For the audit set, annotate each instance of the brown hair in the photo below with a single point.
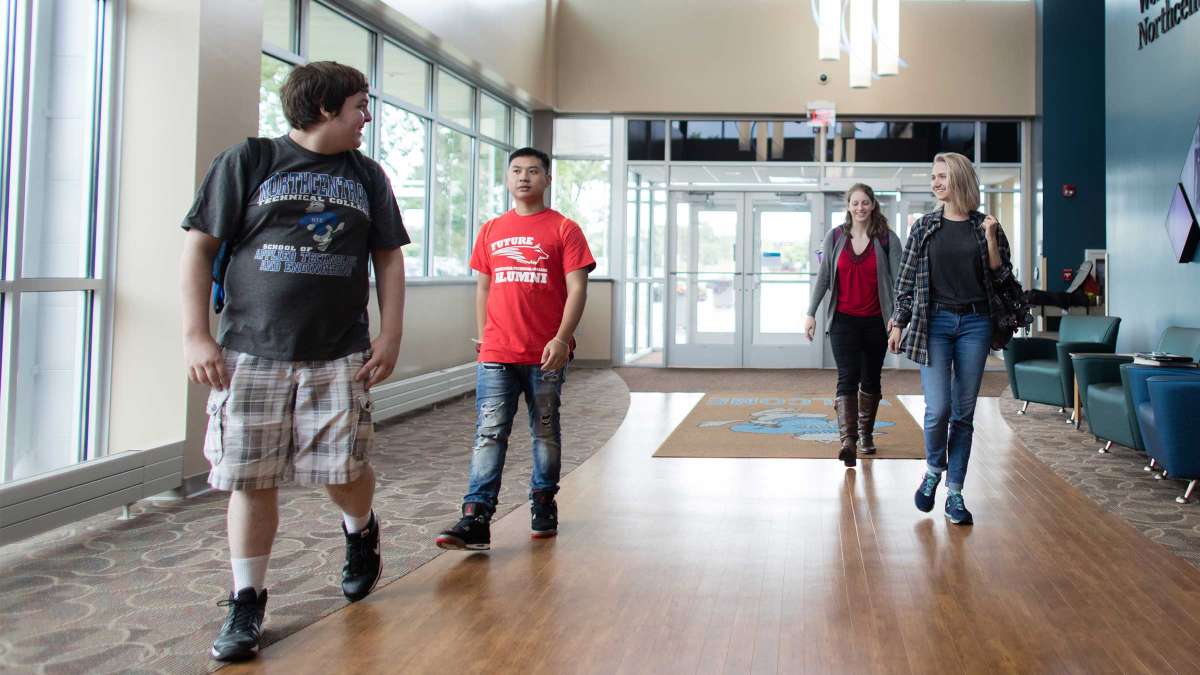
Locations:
(318, 86)
(877, 227)
(964, 182)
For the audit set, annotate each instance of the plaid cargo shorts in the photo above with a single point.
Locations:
(303, 421)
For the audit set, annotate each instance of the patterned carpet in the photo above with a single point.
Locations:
(1115, 480)
(138, 596)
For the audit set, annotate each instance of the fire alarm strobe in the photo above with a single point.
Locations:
(1068, 190)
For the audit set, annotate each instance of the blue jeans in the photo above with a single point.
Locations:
(498, 388)
(958, 350)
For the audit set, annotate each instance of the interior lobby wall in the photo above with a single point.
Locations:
(1152, 104)
(760, 56)
(1072, 138)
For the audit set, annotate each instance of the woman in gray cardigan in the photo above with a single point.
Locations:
(858, 272)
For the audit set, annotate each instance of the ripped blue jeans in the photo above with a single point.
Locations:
(498, 388)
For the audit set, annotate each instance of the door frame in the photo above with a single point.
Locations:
(735, 355)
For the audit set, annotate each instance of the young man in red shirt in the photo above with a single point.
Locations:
(533, 264)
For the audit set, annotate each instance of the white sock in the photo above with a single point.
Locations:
(250, 573)
(356, 523)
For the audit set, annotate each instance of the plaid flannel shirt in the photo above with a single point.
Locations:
(912, 310)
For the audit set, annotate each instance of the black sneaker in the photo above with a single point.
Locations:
(363, 565)
(472, 532)
(956, 510)
(924, 496)
(545, 515)
(239, 636)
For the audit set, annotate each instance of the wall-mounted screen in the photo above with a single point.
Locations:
(1181, 226)
(1190, 176)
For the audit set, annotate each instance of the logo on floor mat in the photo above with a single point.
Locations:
(804, 426)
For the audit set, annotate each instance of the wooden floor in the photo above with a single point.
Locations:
(789, 566)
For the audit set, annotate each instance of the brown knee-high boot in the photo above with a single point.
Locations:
(868, 406)
(847, 416)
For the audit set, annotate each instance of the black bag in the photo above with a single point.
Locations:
(1013, 314)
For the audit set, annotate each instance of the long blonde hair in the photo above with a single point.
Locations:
(877, 227)
(964, 182)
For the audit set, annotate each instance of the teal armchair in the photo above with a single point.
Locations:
(1040, 369)
(1106, 402)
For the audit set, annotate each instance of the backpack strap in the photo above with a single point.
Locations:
(261, 153)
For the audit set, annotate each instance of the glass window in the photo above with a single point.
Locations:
(50, 402)
(456, 99)
(713, 140)
(581, 137)
(646, 222)
(647, 139)
(522, 126)
(631, 315)
(492, 199)
(57, 228)
(48, 372)
(405, 76)
(1000, 142)
(899, 141)
(493, 118)
(402, 138)
(580, 191)
(333, 37)
(452, 203)
(791, 142)
(271, 121)
(278, 18)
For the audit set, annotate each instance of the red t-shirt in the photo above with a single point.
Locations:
(528, 259)
(858, 282)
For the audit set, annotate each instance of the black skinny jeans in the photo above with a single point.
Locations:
(859, 345)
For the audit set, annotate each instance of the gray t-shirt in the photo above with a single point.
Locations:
(297, 287)
(955, 271)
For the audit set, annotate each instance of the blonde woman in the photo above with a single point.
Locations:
(953, 261)
(858, 272)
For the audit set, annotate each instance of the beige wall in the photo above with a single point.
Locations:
(509, 40)
(593, 338)
(439, 322)
(759, 56)
(184, 99)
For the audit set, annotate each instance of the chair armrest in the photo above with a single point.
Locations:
(1097, 369)
(1066, 369)
(1024, 349)
(1065, 349)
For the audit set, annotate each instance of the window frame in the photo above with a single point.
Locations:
(97, 279)
(429, 111)
(611, 158)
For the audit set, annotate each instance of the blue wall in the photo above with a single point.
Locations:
(1152, 103)
(1072, 131)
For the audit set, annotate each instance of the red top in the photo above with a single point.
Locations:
(527, 258)
(858, 282)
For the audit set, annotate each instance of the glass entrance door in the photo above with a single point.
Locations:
(742, 266)
(780, 271)
(705, 279)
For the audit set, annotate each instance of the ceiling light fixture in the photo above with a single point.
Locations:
(829, 26)
(860, 43)
(869, 29)
(888, 20)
